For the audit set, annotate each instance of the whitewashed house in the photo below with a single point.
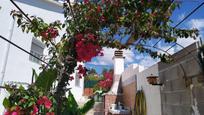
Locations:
(127, 81)
(15, 65)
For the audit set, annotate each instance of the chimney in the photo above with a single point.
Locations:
(118, 62)
(114, 95)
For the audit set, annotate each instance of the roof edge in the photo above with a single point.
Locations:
(54, 2)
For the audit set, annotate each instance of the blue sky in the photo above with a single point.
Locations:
(194, 21)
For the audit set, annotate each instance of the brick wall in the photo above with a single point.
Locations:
(111, 99)
(129, 92)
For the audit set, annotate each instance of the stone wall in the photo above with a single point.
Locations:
(182, 92)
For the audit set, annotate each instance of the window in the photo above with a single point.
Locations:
(37, 48)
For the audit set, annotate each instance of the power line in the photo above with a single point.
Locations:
(17, 45)
(189, 14)
(22, 49)
(193, 11)
(20, 10)
(36, 56)
(93, 64)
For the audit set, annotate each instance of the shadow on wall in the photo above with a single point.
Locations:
(55, 7)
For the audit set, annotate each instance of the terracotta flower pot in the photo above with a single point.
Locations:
(152, 80)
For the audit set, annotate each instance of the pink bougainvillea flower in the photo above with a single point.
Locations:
(80, 76)
(98, 9)
(35, 110)
(48, 104)
(14, 113)
(82, 70)
(53, 32)
(71, 78)
(49, 33)
(7, 113)
(45, 101)
(107, 82)
(18, 108)
(23, 100)
(102, 18)
(86, 1)
(86, 48)
(50, 113)
(44, 34)
(40, 101)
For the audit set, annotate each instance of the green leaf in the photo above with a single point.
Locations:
(26, 97)
(63, 25)
(6, 103)
(34, 75)
(19, 22)
(45, 79)
(30, 104)
(71, 102)
(71, 106)
(21, 88)
(87, 106)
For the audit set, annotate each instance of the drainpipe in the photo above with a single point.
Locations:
(6, 52)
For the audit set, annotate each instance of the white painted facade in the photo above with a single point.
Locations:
(137, 73)
(15, 64)
(118, 61)
(118, 65)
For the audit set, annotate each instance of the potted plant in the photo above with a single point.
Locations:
(152, 79)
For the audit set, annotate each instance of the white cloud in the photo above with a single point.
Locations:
(165, 47)
(193, 23)
(196, 23)
(108, 55)
(146, 60)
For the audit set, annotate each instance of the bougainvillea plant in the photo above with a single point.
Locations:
(31, 101)
(107, 82)
(93, 24)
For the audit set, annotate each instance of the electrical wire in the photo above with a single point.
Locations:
(93, 64)
(22, 49)
(20, 10)
(193, 11)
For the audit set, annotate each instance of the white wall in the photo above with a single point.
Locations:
(18, 61)
(152, 92)
(131, 71)
(118, 65)
(77, 90)
(18, 67)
